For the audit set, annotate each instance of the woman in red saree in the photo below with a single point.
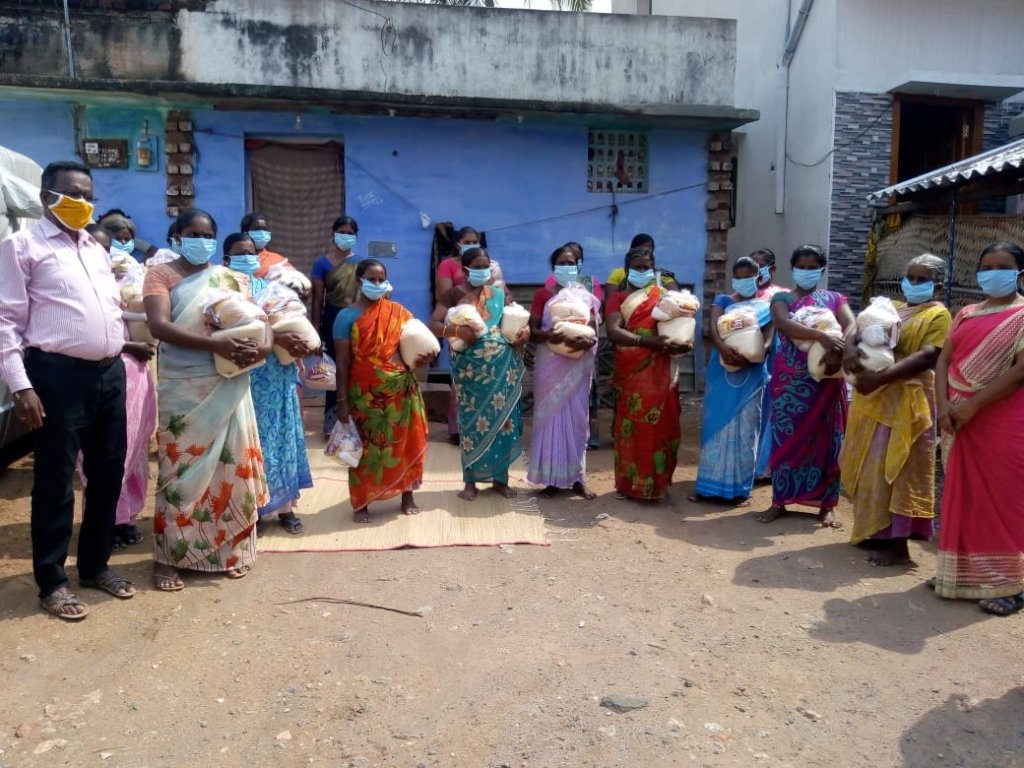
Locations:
(381, 395)
(646, 427)
(980, 401)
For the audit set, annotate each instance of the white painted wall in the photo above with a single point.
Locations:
(848, 45)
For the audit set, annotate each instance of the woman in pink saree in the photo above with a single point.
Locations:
(980, 401)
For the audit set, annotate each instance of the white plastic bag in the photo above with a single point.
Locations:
(320, 373)
(227, 309)
(741, 331)
(344, 444)
(816, 361)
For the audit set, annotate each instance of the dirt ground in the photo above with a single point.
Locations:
(753, 645)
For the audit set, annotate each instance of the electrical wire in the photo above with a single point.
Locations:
(882, 113)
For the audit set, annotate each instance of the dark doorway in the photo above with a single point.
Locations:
(300, 188)
(932, 133)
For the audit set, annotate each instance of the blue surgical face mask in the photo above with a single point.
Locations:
(640, 279)
(807, 278)
(478, 277)
(344, 242)
(124, 247)
(463, 247)
(566, 273)
(745, 286)
(260, 237)
(246, 263)
(917, 294)
(175, 247)
(998, 283)
(376, 291)
(765, 274)
(198, 250)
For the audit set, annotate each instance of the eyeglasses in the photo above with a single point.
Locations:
(74, 195)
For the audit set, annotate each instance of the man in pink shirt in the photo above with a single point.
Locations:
(61, 337)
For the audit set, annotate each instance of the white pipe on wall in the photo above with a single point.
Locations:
(788, 51)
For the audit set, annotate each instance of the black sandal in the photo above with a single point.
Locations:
(291, 523)
(129, 535)
(112, 583)
(1003, 606)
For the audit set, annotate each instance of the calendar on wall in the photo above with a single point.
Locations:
(617, 161)
(105, 153)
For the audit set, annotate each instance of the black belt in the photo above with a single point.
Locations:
(56, 358)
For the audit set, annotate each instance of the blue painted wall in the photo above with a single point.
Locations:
(524, 184)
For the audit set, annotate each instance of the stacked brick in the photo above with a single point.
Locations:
(719, 216)
(180, 147)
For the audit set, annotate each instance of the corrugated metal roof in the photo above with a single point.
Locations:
(994, 161)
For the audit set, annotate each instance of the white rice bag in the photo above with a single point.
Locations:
(571, 330)
(816, 360)
(295, 324)
(468, 315)
(514, 318)
(289, 276)
(879, 330)
(416, 341)
(254, 330)
(280, 301)
(741, 330)
(675, 304)
(569, 306)
(227, 309)
(820, 319)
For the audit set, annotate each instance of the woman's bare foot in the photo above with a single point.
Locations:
(896, 553)
(166, 578)
(774, 512)
(409, 504)
(504, 490)
(468, 493)
(580, 489)
(361, 515)
(827, 518)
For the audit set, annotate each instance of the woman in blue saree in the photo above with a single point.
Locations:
(731, 433)
(275, 398)
(488, 379)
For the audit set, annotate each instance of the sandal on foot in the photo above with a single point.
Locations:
(129, 535)
(112, 583)
(165, 583)
(238, 572)
(291, 523)
(1002, 606)
(64, 604)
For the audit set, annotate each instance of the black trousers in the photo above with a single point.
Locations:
(85, 412)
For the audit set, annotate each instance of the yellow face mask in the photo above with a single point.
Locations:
(73, 214)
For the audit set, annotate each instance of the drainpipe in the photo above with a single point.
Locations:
(783, 135)
(67, 40)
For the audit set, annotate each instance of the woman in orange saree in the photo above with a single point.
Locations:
(980, 401)
(379, 392)
(646, 427)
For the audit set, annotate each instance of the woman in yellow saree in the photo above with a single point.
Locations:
(888, 457)
(381, 395)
